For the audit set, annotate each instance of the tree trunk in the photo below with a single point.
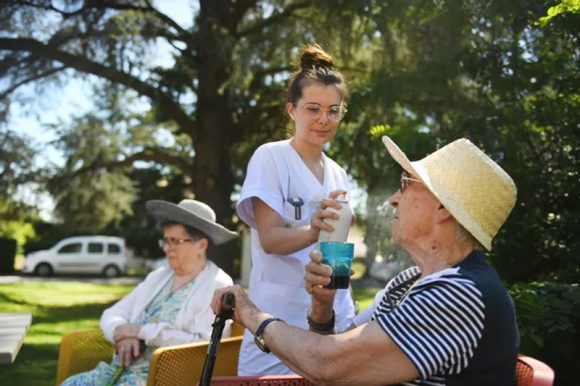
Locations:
(212, 173)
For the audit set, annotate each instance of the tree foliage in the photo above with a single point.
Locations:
(17, 157)
(487, 72)
(87, 202)
(224, 89)
(565, 8)
(18, 169)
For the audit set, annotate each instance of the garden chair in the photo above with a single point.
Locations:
(175, 365)
(530, 372)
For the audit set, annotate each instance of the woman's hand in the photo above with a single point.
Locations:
(317, 221)
(126, 331)
(244, 309)
(127, 349)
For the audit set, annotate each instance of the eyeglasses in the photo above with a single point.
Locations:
(405, 182)
(172, 242)
(314, 111)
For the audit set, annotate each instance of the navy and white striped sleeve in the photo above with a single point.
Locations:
(439, 325)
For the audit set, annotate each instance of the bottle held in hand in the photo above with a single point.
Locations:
(341, 226)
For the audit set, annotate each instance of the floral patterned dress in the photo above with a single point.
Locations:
(163, 308)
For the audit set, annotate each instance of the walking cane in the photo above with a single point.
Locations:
(218, 327)
(120, 369)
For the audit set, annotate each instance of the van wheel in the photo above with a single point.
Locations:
(111, 271)
(43, 270)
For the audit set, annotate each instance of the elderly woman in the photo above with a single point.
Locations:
(447, 321)
(172, 305)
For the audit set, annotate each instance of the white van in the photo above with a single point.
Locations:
(80, 255)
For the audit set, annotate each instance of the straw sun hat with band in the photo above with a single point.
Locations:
(192, 213)
(471, 186)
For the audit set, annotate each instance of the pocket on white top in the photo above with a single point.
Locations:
(289, 218)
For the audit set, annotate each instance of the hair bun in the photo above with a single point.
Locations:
(312, 56)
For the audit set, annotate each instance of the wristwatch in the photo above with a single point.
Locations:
(259, 338)
(324, 327)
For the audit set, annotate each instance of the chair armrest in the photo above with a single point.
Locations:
(81, 351)
(183, 364)
(532, 372)
(294, 380)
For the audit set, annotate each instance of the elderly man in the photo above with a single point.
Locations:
(446, 321)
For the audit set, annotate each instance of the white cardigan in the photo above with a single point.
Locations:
(192, 324)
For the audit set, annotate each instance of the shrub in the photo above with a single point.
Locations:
(33, 246)
(549, 322)
(7, 255)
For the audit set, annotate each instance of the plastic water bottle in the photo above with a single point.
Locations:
(341, 226)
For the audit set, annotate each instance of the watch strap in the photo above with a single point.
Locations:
(322, 327)
(260, 332)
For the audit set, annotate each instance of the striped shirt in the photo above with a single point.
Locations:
(451, 324)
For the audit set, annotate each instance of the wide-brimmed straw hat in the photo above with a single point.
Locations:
(192, 213)
(471, 186)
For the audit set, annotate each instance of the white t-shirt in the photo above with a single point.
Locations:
(275, 174)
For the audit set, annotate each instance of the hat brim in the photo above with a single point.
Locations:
(416, 169)
(168, 211)
(398, 155)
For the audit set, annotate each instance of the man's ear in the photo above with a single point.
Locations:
(291, 110)
(442, 214)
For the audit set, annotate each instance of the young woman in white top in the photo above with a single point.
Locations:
(288, 185)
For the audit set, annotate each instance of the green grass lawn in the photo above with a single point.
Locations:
(58, 308)
(365, 296)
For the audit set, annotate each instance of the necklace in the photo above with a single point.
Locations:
(181, 285)
(320, 161)
(316, 168)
